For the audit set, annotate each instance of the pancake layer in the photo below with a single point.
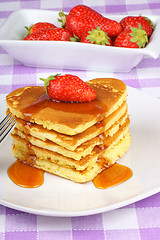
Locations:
(72, 142)
(31, 104)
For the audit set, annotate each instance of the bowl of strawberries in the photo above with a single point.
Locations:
(81, 39)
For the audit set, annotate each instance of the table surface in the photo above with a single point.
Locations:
(138, 221)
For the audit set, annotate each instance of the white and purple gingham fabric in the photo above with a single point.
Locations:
(138, 221)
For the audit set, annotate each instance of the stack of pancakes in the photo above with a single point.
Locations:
(72, 140)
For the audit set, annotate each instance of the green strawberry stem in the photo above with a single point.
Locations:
(98, 36)
(62, 18)
(46, 80)
(139, 36)
(28, 29)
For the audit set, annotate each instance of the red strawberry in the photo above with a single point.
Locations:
(132, 38)
(57, 34)
(68, 88)
(39, 26)
(96, 37)
(134, 21)
(82, 18)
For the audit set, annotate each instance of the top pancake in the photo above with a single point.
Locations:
(31, 104)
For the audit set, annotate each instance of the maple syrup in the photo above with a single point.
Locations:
(94, 108)
(24, 175)
(112, 176)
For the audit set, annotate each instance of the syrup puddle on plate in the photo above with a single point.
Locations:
(24, 175)
(27, 176)
(112, 176)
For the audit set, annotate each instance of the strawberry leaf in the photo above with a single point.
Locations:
(46, 80)
(74, 38)
(139, 36)
(62, 18)
(98, 36)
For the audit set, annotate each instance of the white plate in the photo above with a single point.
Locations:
(70, 55)
(60, 197)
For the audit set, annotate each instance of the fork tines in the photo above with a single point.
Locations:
(6, 125)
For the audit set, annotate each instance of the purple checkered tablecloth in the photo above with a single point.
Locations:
(138, 221)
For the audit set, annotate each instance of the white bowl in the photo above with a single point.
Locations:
(70, 55)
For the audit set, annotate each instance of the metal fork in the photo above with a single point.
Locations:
(6, 125)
